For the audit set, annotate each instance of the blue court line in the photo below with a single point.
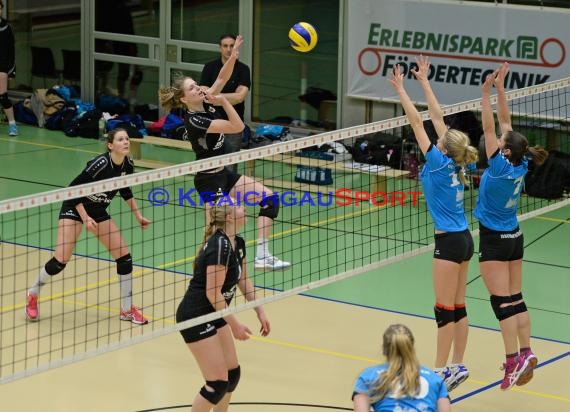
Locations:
(301, 294)
(95, 257)
(415, 315)
(477, 391)
(491, 385)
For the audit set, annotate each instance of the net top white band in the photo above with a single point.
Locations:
(149, 176)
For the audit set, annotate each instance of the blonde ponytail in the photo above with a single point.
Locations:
(218, 215)
(402, 378)
(169, 97)
(460, 150)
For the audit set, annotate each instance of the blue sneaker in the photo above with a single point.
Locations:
(453, 375)
(446, 375)
(12, 130)
(460, 375)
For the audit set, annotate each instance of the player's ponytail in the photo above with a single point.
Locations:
(460, 150)
(169, 97)
(538, 154)
(218, 215)
(402, 378)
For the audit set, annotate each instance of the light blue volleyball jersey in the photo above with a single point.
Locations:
(499, 193)
(432, 388)
(443, 191)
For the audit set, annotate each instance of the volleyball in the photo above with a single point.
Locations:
(303, 37)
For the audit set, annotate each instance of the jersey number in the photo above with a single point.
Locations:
(454, 179)
(514, 199)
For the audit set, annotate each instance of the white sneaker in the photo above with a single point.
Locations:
(270, 262)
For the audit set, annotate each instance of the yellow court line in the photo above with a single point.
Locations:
(143, 271)
(51, 146)
(300, 228)
(318, 350)
(376, 361)
(552, 219)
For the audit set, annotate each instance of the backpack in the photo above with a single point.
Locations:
(112, 104)
(273, 132)
(173, 127)
(133, 124)
(24, 114)
(378, 149)
(56, 120)
(87, 125)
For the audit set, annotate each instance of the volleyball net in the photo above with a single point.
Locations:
(338, 218)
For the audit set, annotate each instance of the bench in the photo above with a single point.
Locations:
(378, 179)
(136, 151)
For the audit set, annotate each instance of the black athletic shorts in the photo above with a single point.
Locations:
(209, 184)
(454, 246)
(500, 246)
(205, 330)
(97, 214)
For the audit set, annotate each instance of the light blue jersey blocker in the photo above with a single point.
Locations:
(443, 191)
(432, 389)
(499, 193)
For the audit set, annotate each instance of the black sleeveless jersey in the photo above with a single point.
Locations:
(101, 168)
(217, 251)
(7, 48)
(204, 144)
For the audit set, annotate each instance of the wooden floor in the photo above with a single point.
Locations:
(308, 363)
(318, 344)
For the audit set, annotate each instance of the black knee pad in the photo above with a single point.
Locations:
(220, 388)
(5, 102)
(505, 312)
(125, 265)
(443, 315)
(54, 266)
(519, 307)
(233, 378)
(460, 312)
(269, 207)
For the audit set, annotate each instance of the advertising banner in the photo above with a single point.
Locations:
(464, 41)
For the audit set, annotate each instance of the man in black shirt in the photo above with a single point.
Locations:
(235, 90)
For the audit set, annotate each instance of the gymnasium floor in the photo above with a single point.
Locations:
(319, 342)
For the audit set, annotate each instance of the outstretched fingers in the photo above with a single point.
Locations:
(422, 70)
(490, 80)
(397, 78)
(501, 74)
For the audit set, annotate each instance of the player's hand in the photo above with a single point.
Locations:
(265, 325)
(215, 100)
(144, 222)
(397, 78)
(240, 331)
(489, 80)
(90, 224)
(237, 45)
(501, 75)
(422, 71)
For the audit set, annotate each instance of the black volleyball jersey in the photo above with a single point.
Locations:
(101, 168)
(217, 251)
(7, 47)
(204, 144)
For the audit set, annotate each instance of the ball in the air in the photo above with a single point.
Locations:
(303, 37)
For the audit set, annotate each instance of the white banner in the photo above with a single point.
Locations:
(464, 41)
